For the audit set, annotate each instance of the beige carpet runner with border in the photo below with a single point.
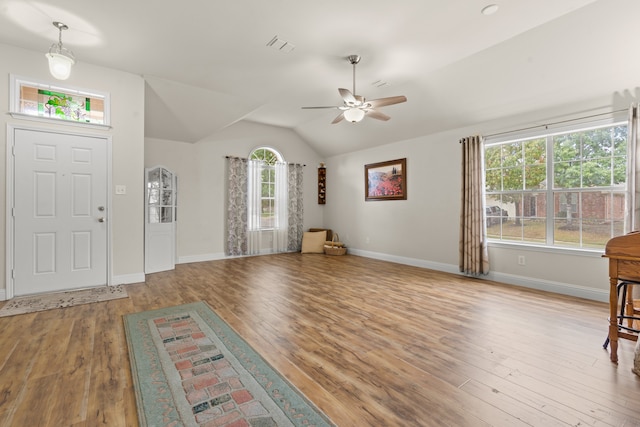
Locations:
(191, 369)
(41, 302)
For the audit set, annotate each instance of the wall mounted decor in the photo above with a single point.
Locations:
(322, 184)
(386, 180)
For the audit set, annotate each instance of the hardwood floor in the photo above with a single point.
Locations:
(372, 343)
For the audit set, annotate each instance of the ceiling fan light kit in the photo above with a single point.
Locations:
(353, 114)
(60, 58)
(356, 107)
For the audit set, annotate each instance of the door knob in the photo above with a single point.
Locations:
(101, 219)
(100, 208)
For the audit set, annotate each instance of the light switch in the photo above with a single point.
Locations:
(121, 189)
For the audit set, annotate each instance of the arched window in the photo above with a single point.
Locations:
(264, 204)
(266, 191)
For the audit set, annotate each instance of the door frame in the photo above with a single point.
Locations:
(9, 290)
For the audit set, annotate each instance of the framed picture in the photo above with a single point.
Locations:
(386, 180)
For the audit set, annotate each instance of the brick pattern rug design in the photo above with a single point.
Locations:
(191, 369)
(41, 302)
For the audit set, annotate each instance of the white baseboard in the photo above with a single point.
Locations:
(510, 279)
(215, 257)
(3, 295)
(125, 279)
(201, 258)
(406, 261)
(551, 286)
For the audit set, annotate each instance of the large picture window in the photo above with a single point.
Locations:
(563, 190)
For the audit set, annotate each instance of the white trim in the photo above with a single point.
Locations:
(8, 243)
(218, 256)
(560, 127)
(126, 279)
(590, 253)
(9, 201)
(3, 296)
(201, 258)
(551, 286)
(109, 208)
(509, 279)
(448, 268)
(49, 120)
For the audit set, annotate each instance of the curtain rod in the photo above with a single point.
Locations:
(235, 157)
(546, 125)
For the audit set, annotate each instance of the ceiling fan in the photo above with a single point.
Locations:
(356, 107)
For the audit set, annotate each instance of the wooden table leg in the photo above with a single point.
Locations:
(613, 318)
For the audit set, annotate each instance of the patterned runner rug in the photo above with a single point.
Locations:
(191, 369)
(41, 302)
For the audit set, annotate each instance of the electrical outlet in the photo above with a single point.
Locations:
(521, 260)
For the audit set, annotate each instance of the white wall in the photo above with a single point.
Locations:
(423, 230)
(200, 169)
(127, 133)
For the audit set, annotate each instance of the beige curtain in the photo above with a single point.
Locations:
(295, 208)
(474, 255)
(237, 192)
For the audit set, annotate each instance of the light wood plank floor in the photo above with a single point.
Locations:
(372, 343)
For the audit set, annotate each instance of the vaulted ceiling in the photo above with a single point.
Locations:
(207, 64)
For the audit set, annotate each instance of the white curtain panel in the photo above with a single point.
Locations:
(474, 253)
(632, 216)
(254, 207)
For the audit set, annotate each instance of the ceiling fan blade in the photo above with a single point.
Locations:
(375, 114)
(314, 108)
(381, 102)
(338, 119)
(347, 96)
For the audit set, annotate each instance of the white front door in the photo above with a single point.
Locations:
(60, 211)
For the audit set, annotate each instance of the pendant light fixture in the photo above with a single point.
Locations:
(60, 58)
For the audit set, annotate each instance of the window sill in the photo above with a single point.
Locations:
(591, 253)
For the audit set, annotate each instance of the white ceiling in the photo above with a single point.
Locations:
(207, 64)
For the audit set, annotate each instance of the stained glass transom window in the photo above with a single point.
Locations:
(52, 102)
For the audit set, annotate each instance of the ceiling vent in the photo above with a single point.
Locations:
(281, 45)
